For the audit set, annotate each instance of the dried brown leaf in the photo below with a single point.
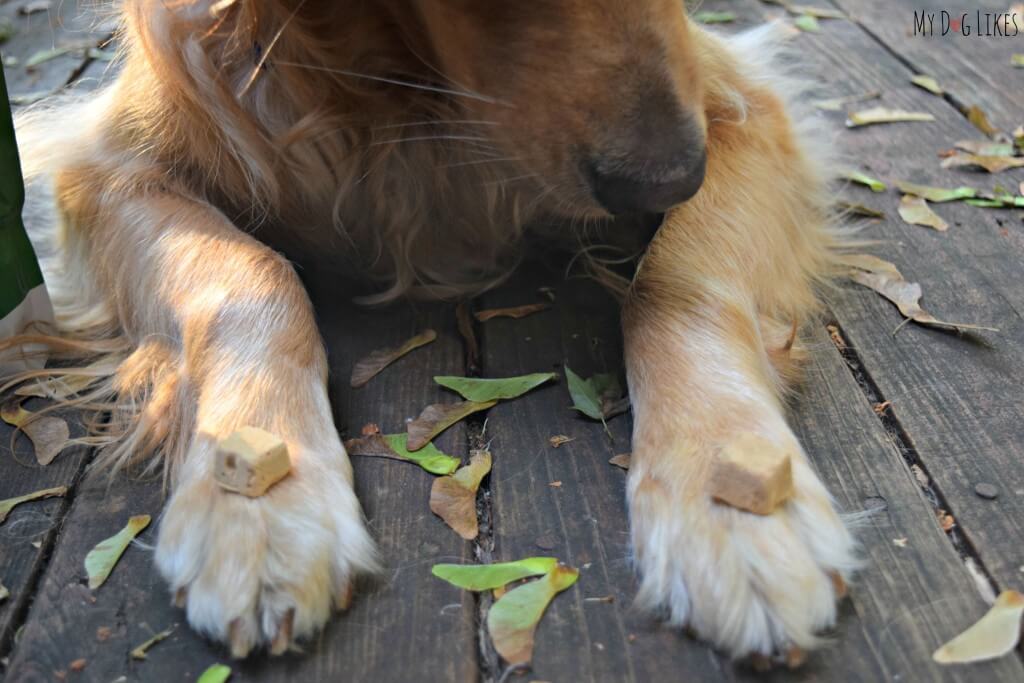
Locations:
(977, 117)
(559, 439)
(915, 210)
(367, 368)
(992, 164)
(872, 264)
(986, 148)
(510, 312)
(438, 417)
(907, 297)
(464, 322)
(621, 460)
(453, 498)
(49, 434)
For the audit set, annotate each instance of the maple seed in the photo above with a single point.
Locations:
(250, 461)
(752, 474)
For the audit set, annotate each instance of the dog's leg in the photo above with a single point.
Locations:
(241, 332)
(706, 327)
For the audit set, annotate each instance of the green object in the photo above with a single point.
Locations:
(482, 577)
(865, 179)
(596, 397)
(429, 457)
(715, 17)
(101, 560)
(218, 673)
(19, 269)
(483, 390)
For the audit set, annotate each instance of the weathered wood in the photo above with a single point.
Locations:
(904, 603)
(973, 69)
(957, 397)
(28, 524)
(78, 24)
(405, 625)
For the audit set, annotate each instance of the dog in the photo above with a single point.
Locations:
(415, 142)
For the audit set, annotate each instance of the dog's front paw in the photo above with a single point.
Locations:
(263, 571)
(750, 584)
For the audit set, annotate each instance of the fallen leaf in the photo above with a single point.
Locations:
(482, 577)
(976, 116)
(869, 117)
(864, 179)
(836, 336)
(992, 164)
(101, 560)
(510, 312)
(622, 460)
(42, 56)
(559, 439)
(218, 673)
(840, 103)
(512, 620)
(139, 652)
(369, 429)
(714, 17)
(49, 434)
(598, 397)
(78, 664)
(936, 194)
(927, 83)
(914, 210)
(4, 593)
(872, 264)
(483, 390)
(438, 417)
(7, 505)
(555, 484)
(393, 446)
(880, 408)
(807, 23)
(1018, 138)
(992, 636)
(907, 297)
(859, 210)
(365, 370)
(986, 148)
(900, 542)
(453, 498)
(818, 12)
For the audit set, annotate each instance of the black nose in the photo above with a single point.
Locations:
(625, 191)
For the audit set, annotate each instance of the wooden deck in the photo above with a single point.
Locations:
(956, 419)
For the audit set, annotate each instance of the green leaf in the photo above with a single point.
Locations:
(7, 505)
(483, 390)
(927, 83)
(864, 179)
(936, 194)
(1017, 60)
(482, 577)
(599, 397)
(139, 652)
(806, 22)
(512, 620)
(101, 560)
(429, 457)
(46, 55)
(218, 673)
(715, 17)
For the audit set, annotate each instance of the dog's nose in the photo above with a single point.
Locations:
(624, 191)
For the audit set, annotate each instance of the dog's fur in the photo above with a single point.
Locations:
(413, 141)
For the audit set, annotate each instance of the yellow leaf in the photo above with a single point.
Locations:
(914, 210)
(869, 117)
(994, 635)
(101, 560)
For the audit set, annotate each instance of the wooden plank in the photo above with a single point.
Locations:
(905, 602)
(77, 24)
(973, 69)
(31, 528)
(403, 626)
(957, 397)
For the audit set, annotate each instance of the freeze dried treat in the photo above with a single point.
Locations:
(752, 474)
(250, 461)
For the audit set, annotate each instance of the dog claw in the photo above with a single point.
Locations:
(284, 634)
(180, 597)
(344, 597)
(237, 640)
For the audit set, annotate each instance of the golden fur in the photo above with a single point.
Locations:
(415, 141)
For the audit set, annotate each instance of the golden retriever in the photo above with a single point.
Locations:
(414, 141)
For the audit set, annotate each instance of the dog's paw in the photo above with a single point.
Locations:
(264, 571)
(750, 584)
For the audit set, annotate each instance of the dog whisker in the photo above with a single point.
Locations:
(423, 138)
(439, 122)
(392, 81)
(480, 161)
